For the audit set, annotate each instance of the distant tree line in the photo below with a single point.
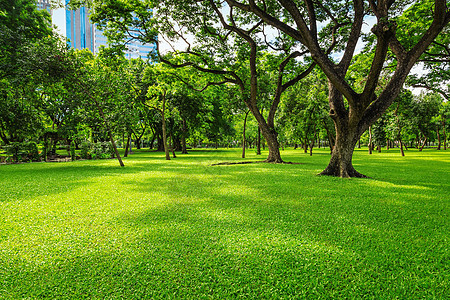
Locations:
(260, 73)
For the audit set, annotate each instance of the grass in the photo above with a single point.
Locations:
(185, 229)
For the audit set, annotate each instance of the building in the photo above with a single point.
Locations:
(79, 30)
(44, 4)
(82, 34)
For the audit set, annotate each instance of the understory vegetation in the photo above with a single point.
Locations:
(185, 229)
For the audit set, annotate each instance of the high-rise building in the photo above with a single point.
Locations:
(45, 4)
(79, 30)
(81, 34)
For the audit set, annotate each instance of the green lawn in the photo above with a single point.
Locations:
(185, 229)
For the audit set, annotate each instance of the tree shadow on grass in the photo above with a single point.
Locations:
(21, 182)
(255, 231)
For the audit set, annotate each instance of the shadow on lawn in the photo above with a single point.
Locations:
(321, 247)
(255, 231)
(21, 182)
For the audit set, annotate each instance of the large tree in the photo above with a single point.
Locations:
(353, 112)
(220, 41)
(22, 27)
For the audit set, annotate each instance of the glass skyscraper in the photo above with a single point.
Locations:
(82, 34)
(79, 30)
(44, 4)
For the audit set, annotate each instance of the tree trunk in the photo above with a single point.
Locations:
(341, 157)
(164, 133)
(108, 129)
(243, 134)
(305, 143)
(152, 141)
(379, 148)
(274, 147)
(370, 139)
(439, 138)
(401, 147)
(258, 142)
(127, 146)
(444, 134)
(387, 144)
(423, 143)
(183, 137)
(348, 132)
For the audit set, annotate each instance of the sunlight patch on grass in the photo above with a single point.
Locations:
(183, 229)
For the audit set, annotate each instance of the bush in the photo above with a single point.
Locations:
(103, 150)
(86, 150)
(27, 151)
(99, 150)
(32, 151)
(14, 150)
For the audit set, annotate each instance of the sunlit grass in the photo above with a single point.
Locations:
(186, 229)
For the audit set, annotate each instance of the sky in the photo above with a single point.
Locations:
(58, 19)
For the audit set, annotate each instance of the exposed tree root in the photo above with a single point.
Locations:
(336, 172)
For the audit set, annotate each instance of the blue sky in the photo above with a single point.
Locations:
(58, 19)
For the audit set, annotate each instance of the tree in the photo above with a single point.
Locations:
(162, 84)
(424, 109)
(21, 24)
(353, 112)
(22, 27)
(227, 45)
(304, 112)
(398, 118)
(98, 82)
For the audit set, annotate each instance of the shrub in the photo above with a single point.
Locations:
(99, 150)
(102, 150)
(14, 150)
(32, 151)
(86, 150)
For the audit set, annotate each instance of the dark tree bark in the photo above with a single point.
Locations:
(152, 142)
(423, 143)
(444, 134)
(243, 134)
(366, 107)
(127, 146)
(183, 137)
(401, 147)
(258, 142)
(164, 127)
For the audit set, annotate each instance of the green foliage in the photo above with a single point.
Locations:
(99, 150)
(23, 152)
(14, 149)
(85, 150)
(184, 229)
(102, 150)
(32, 151)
